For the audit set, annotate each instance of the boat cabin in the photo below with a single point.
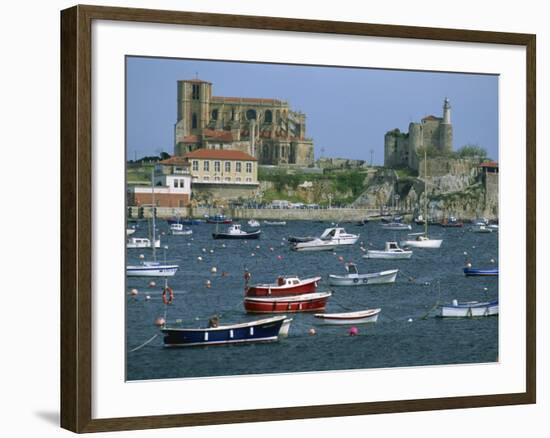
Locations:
(352, 269)
(287, 281)
(392, 246)
(331, 233)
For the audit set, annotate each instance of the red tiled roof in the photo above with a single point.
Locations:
(217, 135)
(221, 154)
(174, 161)
(246, 100)
(492, 164)
(430, 117)
(190, 139)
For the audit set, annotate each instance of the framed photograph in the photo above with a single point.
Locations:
(269, 219)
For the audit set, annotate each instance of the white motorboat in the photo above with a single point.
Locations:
(391, 251)
(179, 230)
(421, 240)
(275, 223)
(130, 231)
(353, 278)
(253, 223)
(339, 236)
(358, 317)
(315, 244)
(141, 242)
(469, 309)
(493, 227)
(236, 232)
(481, 229)
(151, 269)
(396, 226)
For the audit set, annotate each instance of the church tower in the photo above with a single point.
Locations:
(446, 128)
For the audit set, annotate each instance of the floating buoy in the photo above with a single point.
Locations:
(485, 289)
(474, 247)
(468, 265)
(211, 251)
(208, 283)
(141, 256)
(160, 321)
(134, 292)
(192, 238)
(199, 258)
(426, 283)
(492, 260)
(214, 270)
(188, 244)
(223, 245)
(465, 252)
(152, 284)
(341, 258)
(147, 297)
(312, 332)
(257, 246)
(353, 331)
(271, 249)
(204, 250)
(410, 320)
(279, 257)
(252, 254)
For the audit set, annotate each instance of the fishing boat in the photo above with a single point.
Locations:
(475, 272)
(262, 330)
(184, 221)
(347, 318)
(311, 302)
(235, 232)
(275, 223)
(339, 236)
(419, 220)
(315, 244)
(469, 309)
(452, 222)
(152, 268)
(253, 223)
(391, 251)
(353, 278)
(291, 285)
(481, 229)
(219, 219)
(396, 226)
(141, 242)
(180, 230)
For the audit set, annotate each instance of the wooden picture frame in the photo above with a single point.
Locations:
(76, 218)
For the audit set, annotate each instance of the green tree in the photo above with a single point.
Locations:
(472, 151)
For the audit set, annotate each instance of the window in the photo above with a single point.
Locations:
(176, 183)
(227, 179)
(238, 167)
(248, 179)
(195, 94)
(217, 178)
(195, 165)
(206, 166)
(194, 121)
(228, 166)
(251, 114)
(238, 179)
(215, 114)
(248, 167)
(268, 117)
(182, 183)
(216, 166)
(206, 178)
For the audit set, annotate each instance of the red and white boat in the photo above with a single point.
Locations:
(312, 302)
(283, 286)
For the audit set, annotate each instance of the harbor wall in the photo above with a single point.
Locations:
(324, 214)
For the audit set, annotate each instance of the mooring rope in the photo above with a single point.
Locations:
(144, 344)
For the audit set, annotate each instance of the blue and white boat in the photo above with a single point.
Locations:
(263, 330)
(474, 272)
(151, 269)
(469, 309)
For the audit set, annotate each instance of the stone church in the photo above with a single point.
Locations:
(400, 148)
(267, 129)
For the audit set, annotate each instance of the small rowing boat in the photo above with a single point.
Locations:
(358, 317)
(353, 278)
(469, 309)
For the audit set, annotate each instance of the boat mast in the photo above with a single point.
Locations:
(153, 212)
(425, 192)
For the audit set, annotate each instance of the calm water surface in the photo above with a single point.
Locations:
(394, 341)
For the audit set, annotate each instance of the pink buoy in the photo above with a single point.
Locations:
(341, 258)
(160, 321)
(279, 257)
(312, 332)
(353, 331)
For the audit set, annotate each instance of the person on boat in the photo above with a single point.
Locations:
(214, 321)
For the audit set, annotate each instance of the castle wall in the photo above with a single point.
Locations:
(430, 133)
(446, 137)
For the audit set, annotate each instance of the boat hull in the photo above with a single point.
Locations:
(430, 244)
(314, 302)
(376, 254)
(314, 245)
(262, 290)
(383, 277)
(349, 318)
(469, 311)
(265, 330)
(472, 272)
(151, 271)
(246, 236)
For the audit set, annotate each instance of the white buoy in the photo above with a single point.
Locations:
(141, 256)
(468, 265)
(211, 251)
(257, 246)
(223, 245)
(208, 283)
(134, 292)
(214, 270)
(492, 260)
(204, 250)
(312, 332)
(147, 297)
(410, 320)
(465, 252)
(252, 254)
(199, 258)
(160, 321)
(271, 249)
(152, 284)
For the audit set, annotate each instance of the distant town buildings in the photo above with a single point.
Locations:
(400, 149)
(172, 186)
(266, 129)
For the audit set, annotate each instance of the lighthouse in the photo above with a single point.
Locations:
(446, 128)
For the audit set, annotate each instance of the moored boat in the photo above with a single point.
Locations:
(481, 229)
(300, 239)
(353, 278)
(396, 226)
(275, 223)
(253, 223)
(421, 240)
(338, 236)
(130, 231)
(469, 309)
(151, 269)
(235, 232)
(263, 330)
(452, 222)
(180, 230)
(219, 219)
(311, 302)
(391, 251)
(475, 272)
(141, 242)
(357, 317)
(315, 244)
(291, 285)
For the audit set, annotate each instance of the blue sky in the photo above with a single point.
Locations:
(348, 110)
